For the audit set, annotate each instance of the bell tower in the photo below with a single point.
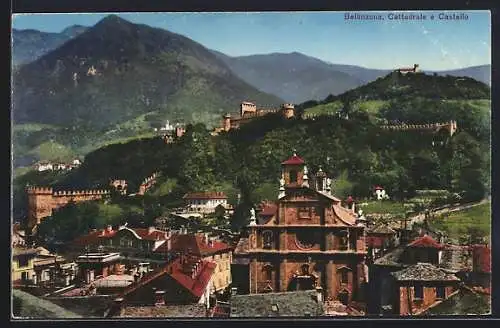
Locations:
(293, 171)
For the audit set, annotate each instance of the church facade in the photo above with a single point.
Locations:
(307, 239)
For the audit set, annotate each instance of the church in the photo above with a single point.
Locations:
(307, 239)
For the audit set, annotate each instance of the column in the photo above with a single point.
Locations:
(253, 276)
(330, 280)
(283, 278)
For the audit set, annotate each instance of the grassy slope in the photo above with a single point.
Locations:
(456, 223)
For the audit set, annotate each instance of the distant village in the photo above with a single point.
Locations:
(306, 254)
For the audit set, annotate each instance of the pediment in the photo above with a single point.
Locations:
(304, 194)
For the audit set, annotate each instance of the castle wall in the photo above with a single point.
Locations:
(43, 201)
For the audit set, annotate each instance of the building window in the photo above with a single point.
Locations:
(268, 272)
(343, 241)
(293, 176)
(304, 213)
(440, 292)
(23, 261)
(306, 239)
(344, 276)
(419, 291)
(267, 238)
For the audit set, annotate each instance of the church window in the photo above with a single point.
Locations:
(268, 272)
(293, 176)
(267, 238)
(344, 278)
(305, 239)
(304, 213)
(343, 241)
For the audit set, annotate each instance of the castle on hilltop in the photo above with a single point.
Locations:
(248, 112)
(406, 70)
(42, 201)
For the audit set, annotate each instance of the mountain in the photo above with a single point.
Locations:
(297, 78)
(29, 45)
(294, 77)
(480, 73)
(116, 75)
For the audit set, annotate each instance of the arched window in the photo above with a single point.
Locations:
(267, 239)
(343, 240)
(293, 176)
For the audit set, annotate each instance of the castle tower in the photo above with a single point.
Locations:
(293, 171)
(247, 107)
(288, 110)
(39, 204)
(226, 122)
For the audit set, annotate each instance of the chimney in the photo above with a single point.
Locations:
(319, 294)
(159, 297)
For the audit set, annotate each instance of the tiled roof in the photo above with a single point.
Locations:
(205, 195)
(423, 272)
(196, 286)
(378, 188)
(345, 215)
(380, 229)
(16, 251)
(392, 258)
(456, 258)
(465, 302)
(146, 234)
(143, 233)
(32, 307)
(287, 304)
(294, 160)
(425, 241)
(168, 311)
(197, 246)
(481, 255)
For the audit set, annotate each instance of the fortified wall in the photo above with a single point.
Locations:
(450, 126)
(148, 183)
(43, 200)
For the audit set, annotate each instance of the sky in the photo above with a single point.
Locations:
(434, 44)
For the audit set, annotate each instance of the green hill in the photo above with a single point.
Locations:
(117, 72)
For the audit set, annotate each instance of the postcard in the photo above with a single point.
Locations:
(235, 165)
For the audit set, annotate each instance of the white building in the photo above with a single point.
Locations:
(380, 193)
(205, 202)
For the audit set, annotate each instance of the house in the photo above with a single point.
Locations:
(43, 166)
(240, 265)
(93, 266)
(406, 70)
(185, 280)
(207, 249)
(18, 235)
(308, 239)
(205, 202)
(420, 286)
(22, 269)
(49, 271)
(481, 266)
(379, 239)
(135, 244)
(306, 303)
(451, 259)
(380, 193)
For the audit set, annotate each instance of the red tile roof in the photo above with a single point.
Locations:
(94, 236)
(205, 195)
(196, 286)
(196, 245)
(379, 188)
(294, 160)
(425, 241)
(481, 257)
